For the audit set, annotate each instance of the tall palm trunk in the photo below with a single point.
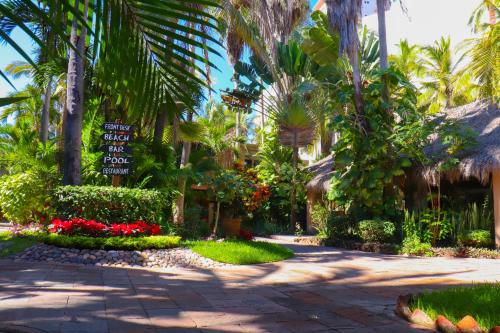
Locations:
(160, 122)
(179, 201)
(44, 123)
(382, 35)
(344, 17)
(293, 195)
(75, 88)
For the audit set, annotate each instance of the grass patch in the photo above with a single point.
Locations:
(113, 243)
(15, 244)
(240, 252)
(482, 301)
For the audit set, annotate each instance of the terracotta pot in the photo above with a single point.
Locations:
(231, 226)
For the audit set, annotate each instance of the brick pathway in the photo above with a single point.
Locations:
(320, 290)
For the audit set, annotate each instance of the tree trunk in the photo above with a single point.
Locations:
(293, 195)
(492, 14)
(75, 90)
(160, 121)
(44, 124)
(496, 205)
(382, 35)
(344, 17)
(179, 201)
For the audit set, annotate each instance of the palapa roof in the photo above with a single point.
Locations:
(322, 171)
(480, 160)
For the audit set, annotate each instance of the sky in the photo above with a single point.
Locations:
(426, 21)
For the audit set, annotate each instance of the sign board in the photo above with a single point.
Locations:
(116, 149)
(112, 171)
(117, 127)
(117, 160)
(116, 163)
(117, 137)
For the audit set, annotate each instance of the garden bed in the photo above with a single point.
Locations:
(387, 248)
(151, 258)
(458, 309)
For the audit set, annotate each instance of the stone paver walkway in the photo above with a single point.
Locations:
(319, 290)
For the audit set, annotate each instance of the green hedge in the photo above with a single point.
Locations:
(110, 204)
(112, 243)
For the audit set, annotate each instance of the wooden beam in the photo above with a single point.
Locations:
(496, 205)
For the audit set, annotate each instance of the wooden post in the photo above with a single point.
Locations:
(496, 205)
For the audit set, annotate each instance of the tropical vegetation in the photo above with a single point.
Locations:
(201, 158)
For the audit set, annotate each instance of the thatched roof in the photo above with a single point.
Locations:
(479, 161)
(322, 173)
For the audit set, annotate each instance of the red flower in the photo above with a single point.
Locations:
(79, 226)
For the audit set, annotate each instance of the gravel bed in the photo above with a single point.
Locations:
(177, 257)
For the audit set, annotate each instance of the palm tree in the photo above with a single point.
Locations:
(407, 60)
(133, 37)
(344, 17)
(445, 85)
(484, 49)
(492, 7)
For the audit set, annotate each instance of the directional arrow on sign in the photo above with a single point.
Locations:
(117, 127)
(116, 149)
(117, 137)
(111, 171)
(117, 160)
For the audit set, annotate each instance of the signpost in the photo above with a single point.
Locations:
(116, 161)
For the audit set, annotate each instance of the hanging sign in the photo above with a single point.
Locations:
(116, 149)
(112, 171)
(117, 127)
(117, 137)
(117, 160)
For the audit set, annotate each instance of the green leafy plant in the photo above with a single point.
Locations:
(414, 246)
(376, 230)
(475, 238)
(110, 204)
(320, 220)
(23, 197)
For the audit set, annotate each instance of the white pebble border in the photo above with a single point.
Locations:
(177, 257)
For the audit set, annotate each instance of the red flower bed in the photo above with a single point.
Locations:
(82, 227)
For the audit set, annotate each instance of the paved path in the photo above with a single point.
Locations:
(319, 290)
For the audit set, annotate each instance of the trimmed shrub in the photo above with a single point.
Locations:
(376, 230)
(112, 243)
(109, 204)
(475, 238)
(22, 197)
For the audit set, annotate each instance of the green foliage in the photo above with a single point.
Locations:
(320, 217)
(241, 252)
(112, 243)
(482, 301)
(110, 204)
(368, 160)
(430, 225)
(476, 238)
(413, 246)
(376, 230)
(14, 244)
(23, 197)
(193, 227)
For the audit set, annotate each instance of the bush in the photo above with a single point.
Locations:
(112, 243)
(376, 230)
(320, 218)
(109, 204)
(23, 197)
(475, 238)
(413, 246)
